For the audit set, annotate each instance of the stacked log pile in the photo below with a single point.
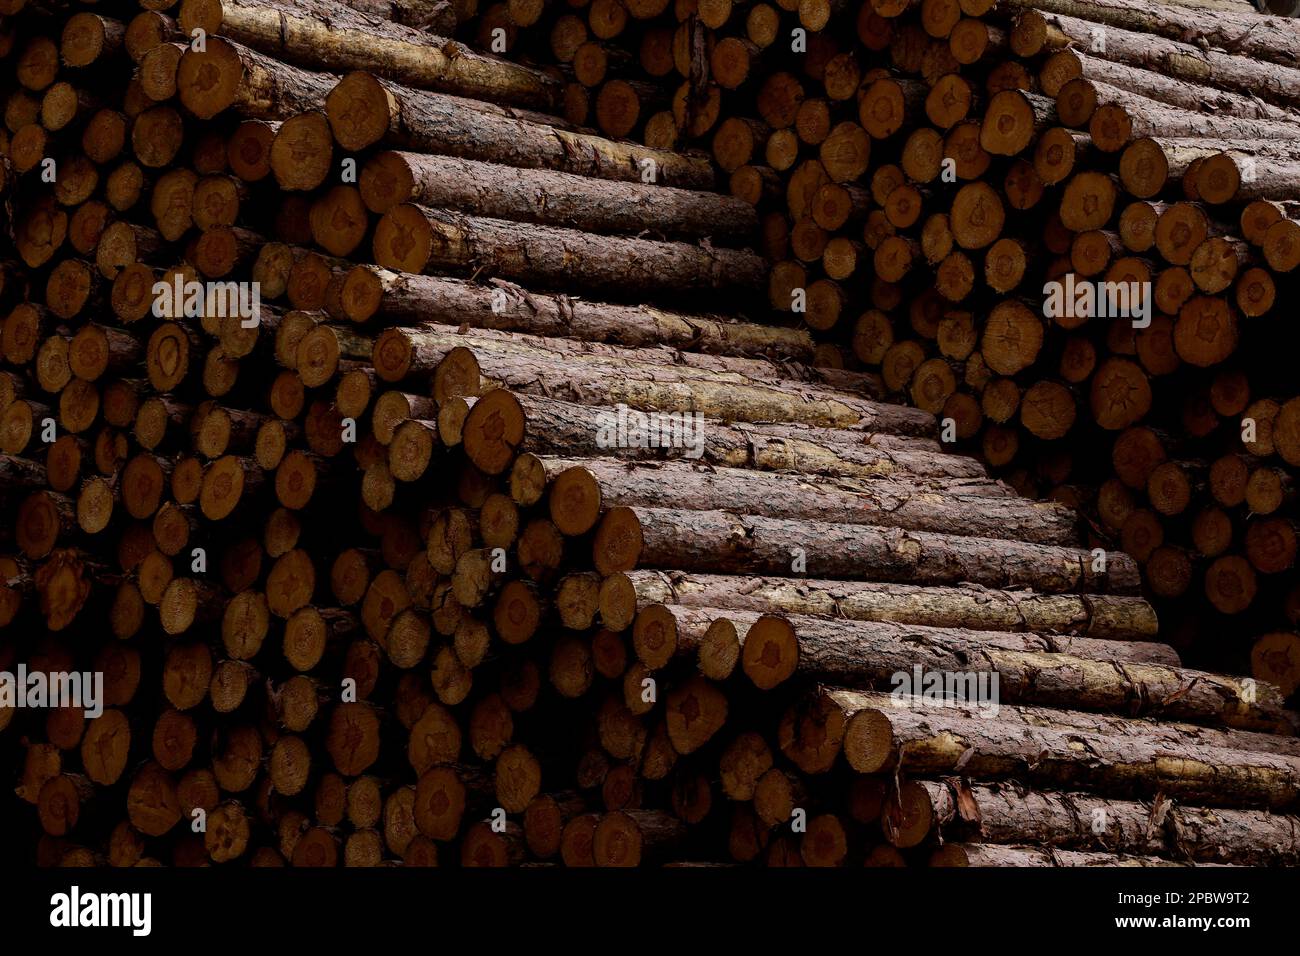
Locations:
(923, 170)
(494, 535)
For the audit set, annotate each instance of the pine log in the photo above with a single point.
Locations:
(923, 739)
(1095, 616)
(1195, 98)
(1239, 30)
(559, 427)
(330, 38)
(1121, 117)
(226, 75)
(1078, 672)
(976, 854)
(418, 239)
(1186, 61)
(363, 111)
(1007, 813)
(943, 506)
(551, 198)
(608, 382)
(405, 299)
(713, 541)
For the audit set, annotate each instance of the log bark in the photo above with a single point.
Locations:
(552, 198)
(327, 37)
(418, 239)
(363, 111)
(943, 506)
(1156, 86)
(929, 740)
(405, 299)
(976, 854)
(1185, 61)
(565, 428)
(1121, 116)
(713, 541)
(608, 382)
(226, 75)
(1094, 616)
(1007, 813)
(1239, 31)
(1078, 672)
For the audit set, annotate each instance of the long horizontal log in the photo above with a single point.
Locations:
(1148, 163)
(1163, 89)
(561, 349)
(714, 541)
(1184, 61)
(1168, 732)
(337, 40)
(553, 198)
(986, 855)
(878, 732)
(875, 653)
(364, 110)
(419, 239)
(1122, 116)
(226, 75)
(406, 299)
(1079, 673)
(728, 396)
(1008, 813)
(1269, 174)
(1098, 616)
(940, 505)
(566, 428)
(1238, 31)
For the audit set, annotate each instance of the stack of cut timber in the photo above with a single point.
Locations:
(923, 169)
(494, 534)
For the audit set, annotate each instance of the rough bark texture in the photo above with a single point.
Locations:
(1007, 813)
(406, 299)
(1096, 616)
(560, 427)
(363, 110)
(715, 541)
(319, 38)
(419, 239)
(1239, 31)
(928, 740)
(552, 198)
(933, 505)
(1185, 61)
(1077, 672)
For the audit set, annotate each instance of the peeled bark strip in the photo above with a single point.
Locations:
(940, 506)
(1008, 813)
(1094, 616)
(921, 739)
(323, 37)
(413, 299)
(552, 198)
(362, 111)
(418, 239)
(715, 541)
